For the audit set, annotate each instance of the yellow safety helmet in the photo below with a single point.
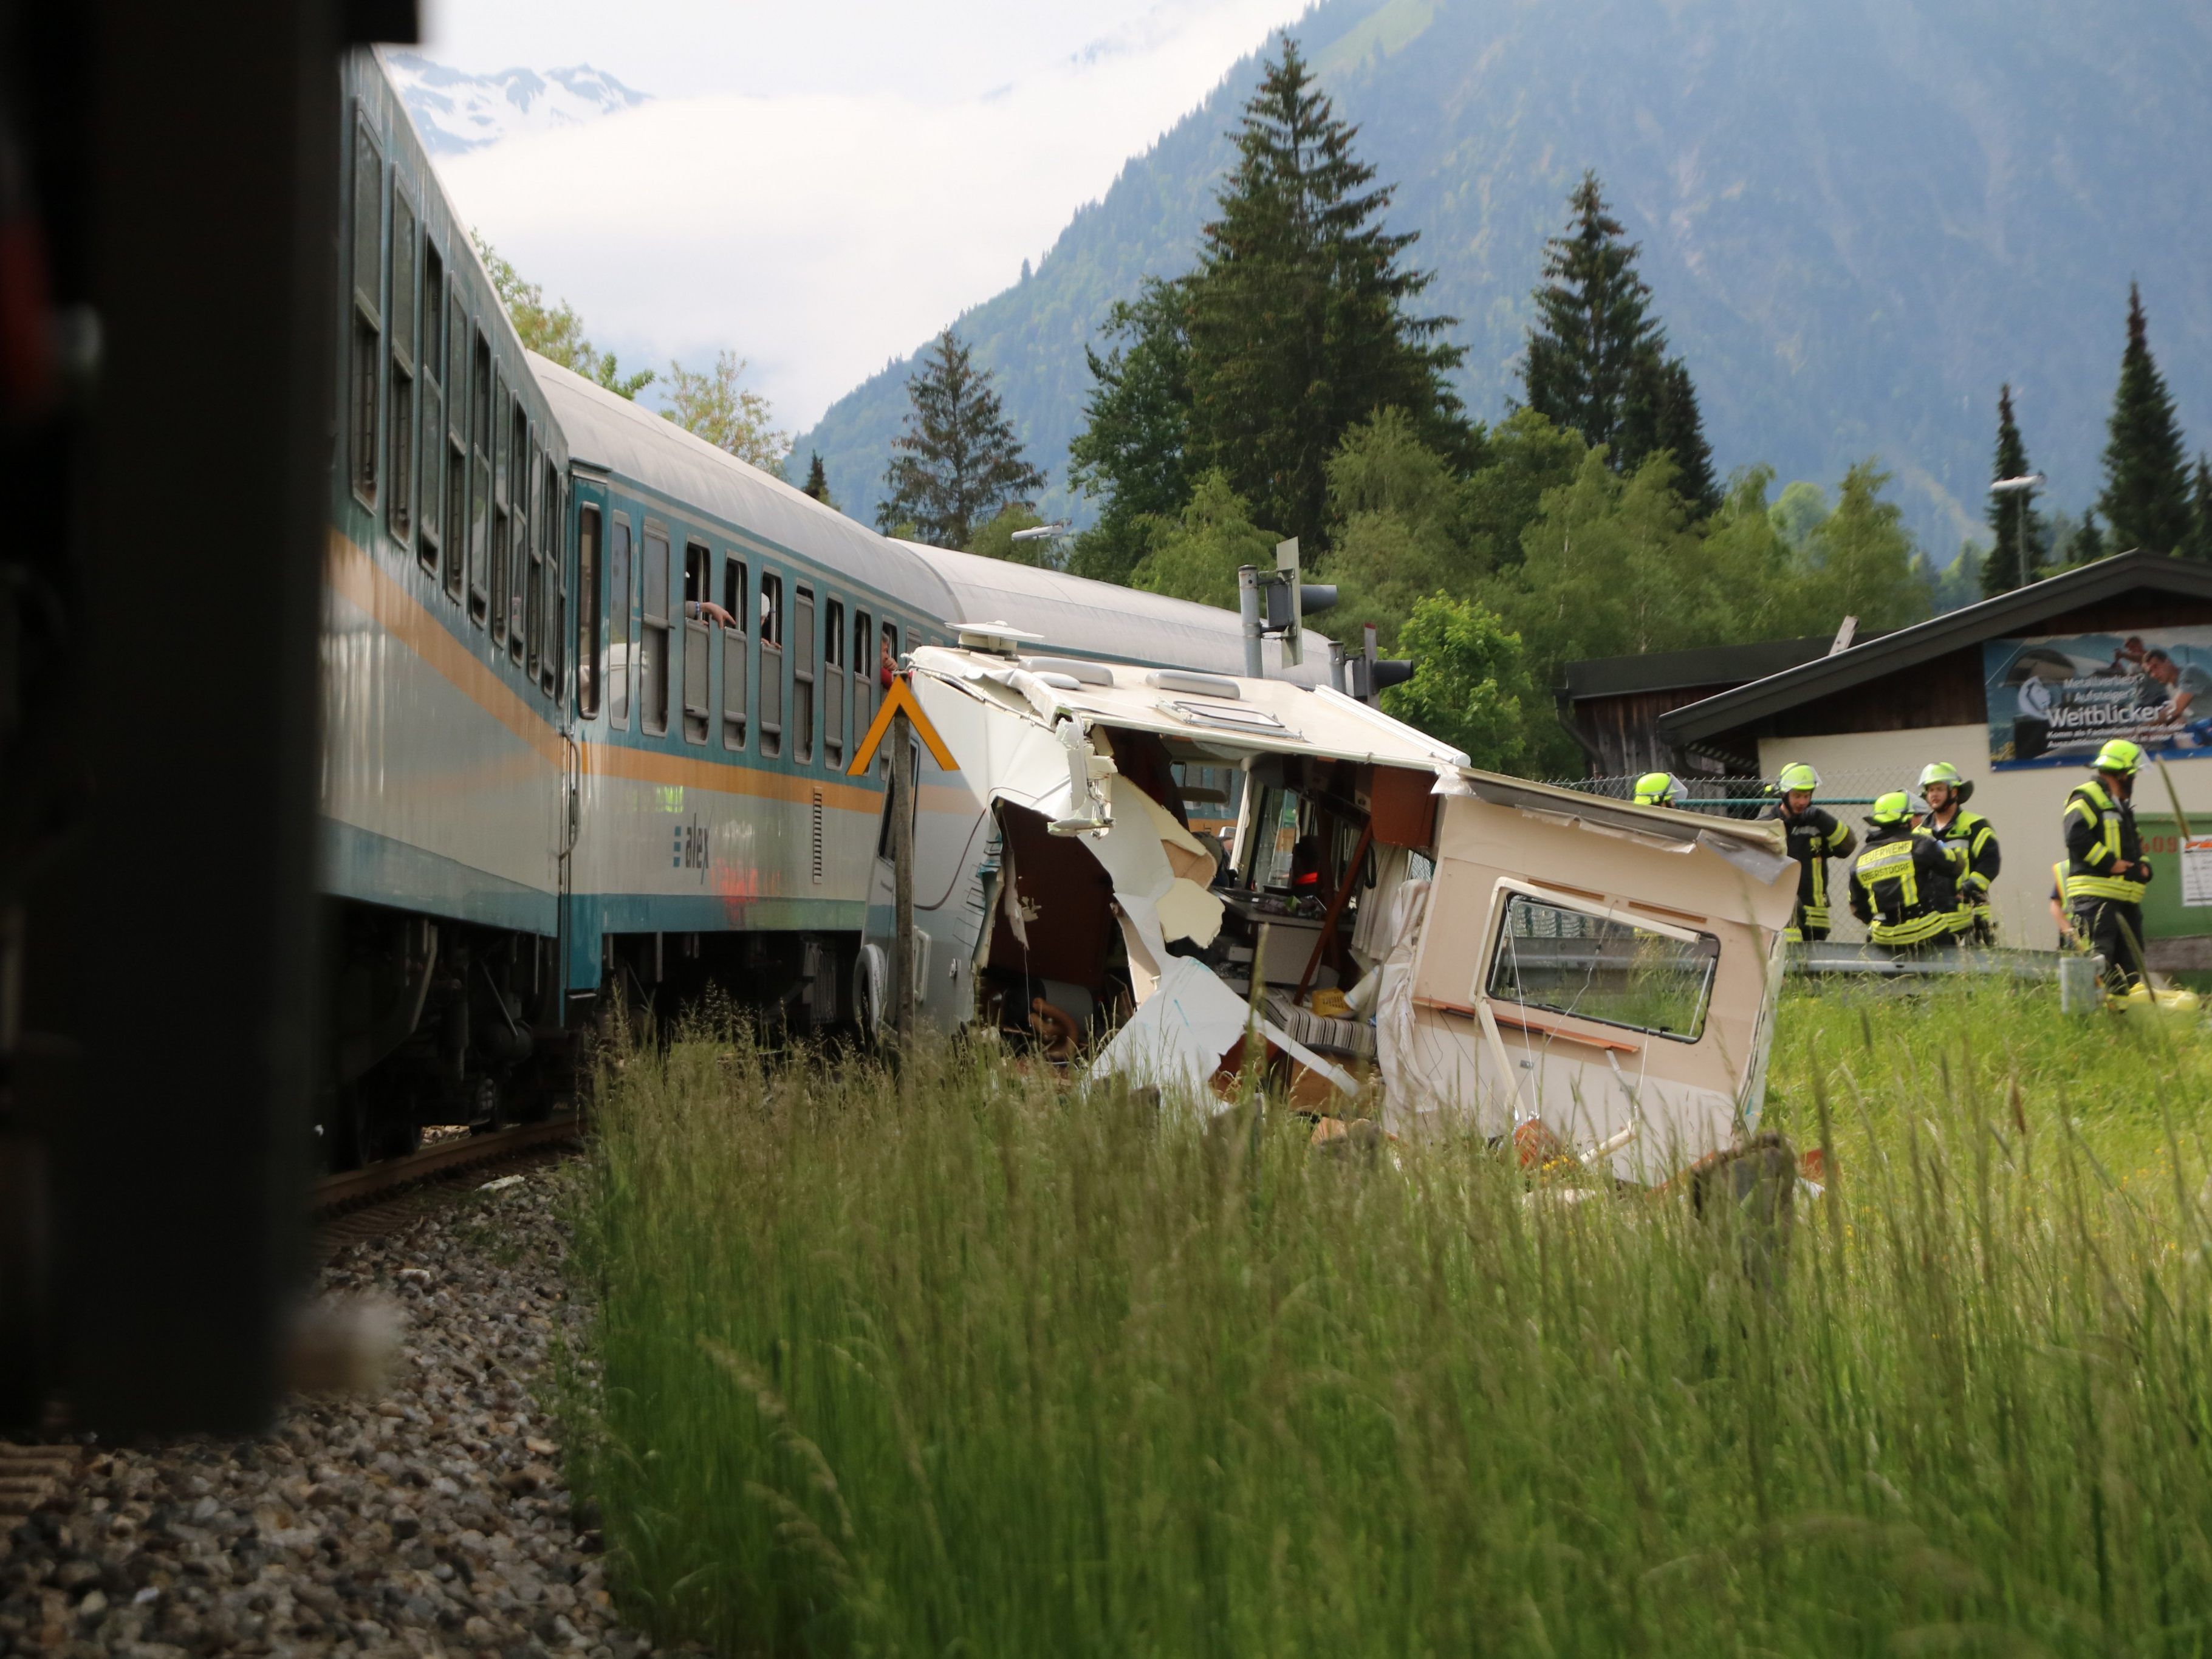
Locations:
(1894, 807)
(1660, 789)
(1797, 776)
(2120, 756)
(1944, 772)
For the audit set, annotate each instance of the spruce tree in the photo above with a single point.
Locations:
(817, 481)
(2001, 565)
(1296, 313)
(1598, 363)
(1667, 408)
(2088, 544)
(1594, 335)
(2146, 497)
(957, 460)
(2200, 513)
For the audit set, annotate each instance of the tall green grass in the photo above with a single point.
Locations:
(963, 1362)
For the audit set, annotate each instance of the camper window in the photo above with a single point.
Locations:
(1594, 967)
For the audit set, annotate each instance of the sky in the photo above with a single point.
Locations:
(820, 188)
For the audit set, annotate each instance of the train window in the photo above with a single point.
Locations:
(534, 599)
(733, 655)
(833, 683)
(552, 628)
(399, 471)
(367, 306)
(863, 674)
(771, 663)
(480, 446)
(618, 625)
(698, 659)
(802, 673)
(430, 369)
(588, 613)
(652, 632)
(457, 439)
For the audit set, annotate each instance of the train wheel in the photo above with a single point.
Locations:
(488, 1115)
(343, 1130)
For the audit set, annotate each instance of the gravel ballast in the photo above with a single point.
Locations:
(427, 1517)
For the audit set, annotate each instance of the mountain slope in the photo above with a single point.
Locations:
(1858, 218)
(455, 112)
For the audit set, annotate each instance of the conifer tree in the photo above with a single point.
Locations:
(2200, 512)
(817, 481)
(2088, 544)
(2146, 497)
(2001, 565)
(1597, 362)
(957, 460)
(1665, 391)
(1296, 315)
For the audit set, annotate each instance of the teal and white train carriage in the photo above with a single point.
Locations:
(592, 691)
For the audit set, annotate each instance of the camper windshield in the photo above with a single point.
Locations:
(1572, 962)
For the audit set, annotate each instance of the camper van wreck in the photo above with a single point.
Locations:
(1475, 952)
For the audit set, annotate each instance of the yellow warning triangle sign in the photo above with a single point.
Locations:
(899, 697)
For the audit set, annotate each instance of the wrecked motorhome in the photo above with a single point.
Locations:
(1469, 952)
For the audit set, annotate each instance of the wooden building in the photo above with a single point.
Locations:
(1612, 705)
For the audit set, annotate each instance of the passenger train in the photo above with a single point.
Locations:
(591, 690)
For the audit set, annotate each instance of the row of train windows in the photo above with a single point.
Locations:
(847, 678)
(483, 510)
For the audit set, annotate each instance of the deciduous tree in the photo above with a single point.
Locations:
(556, 334)
(956, 461)
(1471, 685)
(713, 403)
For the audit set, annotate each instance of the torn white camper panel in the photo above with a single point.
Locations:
(1475, 952)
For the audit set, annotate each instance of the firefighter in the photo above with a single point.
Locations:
(1813, 838)
(1905, 886)
(1660, 789)
(1949, 821)
(2106, 870)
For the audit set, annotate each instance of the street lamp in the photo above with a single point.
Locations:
(2025, 487)
(1042, 532)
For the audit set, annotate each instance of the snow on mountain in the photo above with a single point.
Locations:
(455, 112)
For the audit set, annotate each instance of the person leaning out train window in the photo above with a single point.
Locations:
(886, 661)
(707, 611)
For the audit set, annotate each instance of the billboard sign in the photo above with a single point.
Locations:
(2055, 698)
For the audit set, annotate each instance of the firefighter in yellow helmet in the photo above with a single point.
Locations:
(1905, 886)
(1950, 823)
(2106, 873)
(1813, 837)
(1660, 789)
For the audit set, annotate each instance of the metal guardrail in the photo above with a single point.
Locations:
(1873, 960)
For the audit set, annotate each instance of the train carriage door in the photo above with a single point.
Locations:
(588, 536)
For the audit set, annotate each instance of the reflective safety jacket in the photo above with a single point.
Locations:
(1814, 837)
(2100, 832)
(1904, 886)
(1970, 833)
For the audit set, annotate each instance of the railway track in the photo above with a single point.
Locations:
(366, 1203)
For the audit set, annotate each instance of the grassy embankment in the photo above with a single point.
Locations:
(999, 1372)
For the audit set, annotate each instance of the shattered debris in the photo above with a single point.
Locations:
(1468, 953)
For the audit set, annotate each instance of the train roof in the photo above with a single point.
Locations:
(615, 434)
(1096, 619)
(1064, 612)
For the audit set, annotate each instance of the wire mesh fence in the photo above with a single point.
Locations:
(1848, 794)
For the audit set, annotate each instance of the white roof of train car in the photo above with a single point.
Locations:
(1064, 612)
(1097, 619)
(613, 433)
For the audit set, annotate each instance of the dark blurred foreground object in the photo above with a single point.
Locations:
(168, 186)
